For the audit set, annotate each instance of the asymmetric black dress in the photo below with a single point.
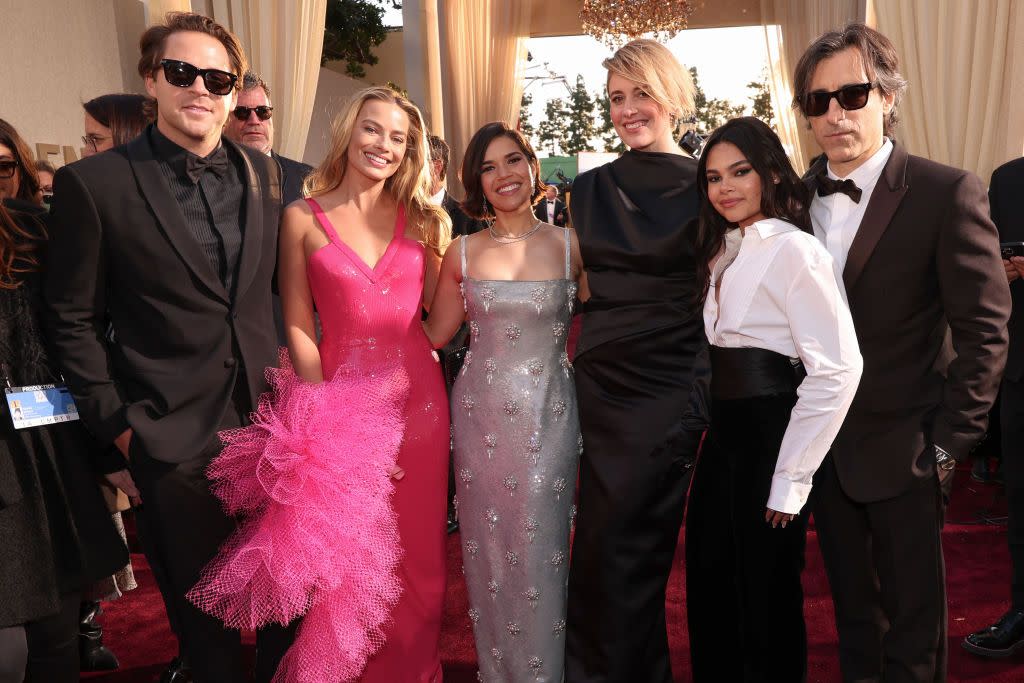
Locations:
(642, 345)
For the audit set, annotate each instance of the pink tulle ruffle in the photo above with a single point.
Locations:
(318, 537)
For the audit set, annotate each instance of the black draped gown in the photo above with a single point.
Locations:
(640, 363)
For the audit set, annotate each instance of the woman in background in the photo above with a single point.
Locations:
(785, 365)
(18, 177)
(515, 425)
(112, 120)
(635, 371)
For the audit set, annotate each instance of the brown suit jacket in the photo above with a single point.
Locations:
(930, 303)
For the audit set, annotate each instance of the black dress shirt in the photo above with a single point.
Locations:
(213, 207)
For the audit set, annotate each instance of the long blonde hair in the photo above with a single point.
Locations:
(653, 66)
(409, 186)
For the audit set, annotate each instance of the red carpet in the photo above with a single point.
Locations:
(977, 566)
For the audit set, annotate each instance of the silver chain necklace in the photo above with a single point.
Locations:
(511, 239)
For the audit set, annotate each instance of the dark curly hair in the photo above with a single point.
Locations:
(473, 204)
(786, 199)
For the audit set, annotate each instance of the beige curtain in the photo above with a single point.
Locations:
(283, 40)
(790, 26)
(483, 54)
(965, 65)
(156, 9)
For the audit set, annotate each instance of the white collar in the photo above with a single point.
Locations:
(438, 198)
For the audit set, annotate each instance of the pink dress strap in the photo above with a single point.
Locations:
(324, 221)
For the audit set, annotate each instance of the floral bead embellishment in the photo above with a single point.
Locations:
(558, 330)
(474, 614)
(513, 333)
(558, 408)
(559, 627)
(474, 329)
(466, 475)
(490, 367)
(532, 596)
(490, 442)
(513, 629)
(467, 362)
(534, 447)
(539, 296)
(559, 486)
(566, 363)
(536, 368)
(491, 515)
(472, 547)
(496, 653)
(535, 663)
(487, 294)
(557, 558)
(531, 525)
(467, 403)
(510, 483)
(512, 558)
(492, 587)
(511, 409)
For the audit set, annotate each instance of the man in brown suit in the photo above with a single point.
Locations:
(919, 256)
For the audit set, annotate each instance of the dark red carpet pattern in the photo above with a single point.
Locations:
(977, 567)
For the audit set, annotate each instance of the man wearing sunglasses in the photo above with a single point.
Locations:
(173, 239)
(914, 246)
(252, 124)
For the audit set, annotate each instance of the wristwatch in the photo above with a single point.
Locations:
(943, 460)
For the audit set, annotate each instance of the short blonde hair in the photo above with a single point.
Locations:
(651, 65)
(409, 186)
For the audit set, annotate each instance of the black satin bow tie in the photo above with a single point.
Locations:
(827, 186)
(217, 163)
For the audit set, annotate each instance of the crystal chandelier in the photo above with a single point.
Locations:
(614, 22)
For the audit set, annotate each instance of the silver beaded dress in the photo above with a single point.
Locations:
(516, 448)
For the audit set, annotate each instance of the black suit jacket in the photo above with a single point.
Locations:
(561, 215)
(930, 303)
(1006, 194)
(293, 174)
(120, 250)
(462, 224)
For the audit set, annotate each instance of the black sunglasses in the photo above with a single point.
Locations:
(263, 112)
(183, 74)
(7, 169)
(849, 97)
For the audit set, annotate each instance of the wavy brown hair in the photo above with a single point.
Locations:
(28, 179)
(409, 186)
(151, 44)
(474, 203)
(786, 199)
(17, 249)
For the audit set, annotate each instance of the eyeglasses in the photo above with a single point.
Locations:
(263, 112)
(849, 97)
(93, 142)
(7, 169)
(183, 74)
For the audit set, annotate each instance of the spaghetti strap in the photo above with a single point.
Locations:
(568, 254)
(324, 221)
(462, 253)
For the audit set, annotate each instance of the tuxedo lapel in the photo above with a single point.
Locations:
(168, 214)
(252, 235)
(885, 199)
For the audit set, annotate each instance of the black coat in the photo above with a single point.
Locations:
(561, 214)
(1006, 195)
(120, 249)
(56, 535)
(293, 174)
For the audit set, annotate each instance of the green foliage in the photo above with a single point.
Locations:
(761, 100)
(551, 132)
(525, 127)
(711, 113)
(579, 128)
(351, 30)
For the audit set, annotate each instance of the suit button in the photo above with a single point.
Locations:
(230, 363)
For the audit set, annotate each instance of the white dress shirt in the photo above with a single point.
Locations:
(438, 198)
(551, 210)
(836, 218)
(777, 290)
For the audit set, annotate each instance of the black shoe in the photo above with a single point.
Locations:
(999, 640)
(176, 672)
(92, 654)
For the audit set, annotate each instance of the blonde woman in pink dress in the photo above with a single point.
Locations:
(341, 479)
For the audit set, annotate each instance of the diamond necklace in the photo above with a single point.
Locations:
(510, 239)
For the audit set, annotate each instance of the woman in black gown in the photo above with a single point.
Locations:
(636, 363)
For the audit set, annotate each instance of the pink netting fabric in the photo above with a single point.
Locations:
(318, 536)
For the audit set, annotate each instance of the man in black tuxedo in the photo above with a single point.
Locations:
(1005, 193)
(171, 238)
(919, 256)
(440, 156)
(252, 124)
(551, 209)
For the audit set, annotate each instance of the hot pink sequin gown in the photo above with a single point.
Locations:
(328, 534)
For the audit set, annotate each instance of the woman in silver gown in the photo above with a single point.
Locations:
(514, 418)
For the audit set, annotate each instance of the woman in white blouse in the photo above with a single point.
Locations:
(785, 366)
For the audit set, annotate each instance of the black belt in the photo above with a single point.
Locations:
(746, 373)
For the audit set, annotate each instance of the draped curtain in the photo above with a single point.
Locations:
(790, 26)
(283, 40)
(965, 65)
(156, 9)
(483, 55)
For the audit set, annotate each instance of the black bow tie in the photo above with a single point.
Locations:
(217, 162)
(827, 186)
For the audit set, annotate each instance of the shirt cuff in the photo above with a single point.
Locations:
(788, 496)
